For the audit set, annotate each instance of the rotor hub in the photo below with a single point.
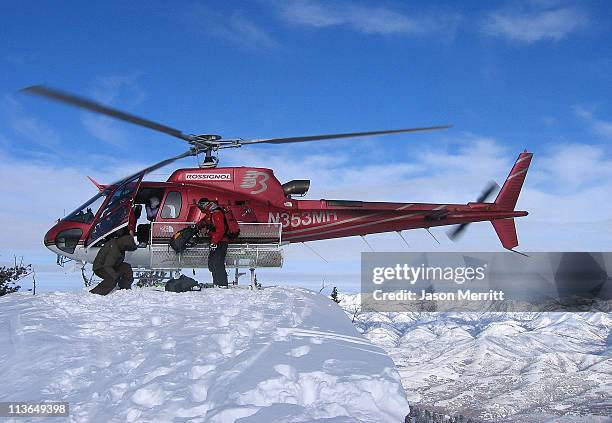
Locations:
(209, 162)
(207, 137)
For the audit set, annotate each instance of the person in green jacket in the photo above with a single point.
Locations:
(110, 264)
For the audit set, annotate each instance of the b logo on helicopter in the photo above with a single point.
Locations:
(254, 178)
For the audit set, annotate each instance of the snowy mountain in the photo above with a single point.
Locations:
(499, 367)
(276, 355)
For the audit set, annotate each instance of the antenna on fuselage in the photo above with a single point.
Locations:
(432, 235)
(403, 239)
(314, 251)
(366, 241)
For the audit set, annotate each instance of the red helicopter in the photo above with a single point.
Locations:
(268, 211)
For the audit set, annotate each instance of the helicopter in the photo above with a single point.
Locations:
(271, 214)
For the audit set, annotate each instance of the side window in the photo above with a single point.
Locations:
(172, 205)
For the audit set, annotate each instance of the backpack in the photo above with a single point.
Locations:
(184, 239)
(182, 284)
(233, 229)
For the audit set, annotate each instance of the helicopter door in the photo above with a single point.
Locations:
(116, 213)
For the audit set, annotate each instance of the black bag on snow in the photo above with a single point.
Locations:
(184, 238)
(182, 284)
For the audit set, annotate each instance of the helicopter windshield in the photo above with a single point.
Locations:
(87, 212)
(117, 211)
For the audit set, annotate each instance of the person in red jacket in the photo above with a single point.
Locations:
(213, 223)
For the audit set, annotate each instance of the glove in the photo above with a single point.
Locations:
(213, 247)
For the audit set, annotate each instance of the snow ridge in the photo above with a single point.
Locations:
(276, 355)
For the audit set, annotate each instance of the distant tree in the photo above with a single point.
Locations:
(334, 295)
(323, 286)
(422, 415)
(356, 312)
(9, 276)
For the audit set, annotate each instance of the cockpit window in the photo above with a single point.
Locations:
(172, 206)
(87, 212)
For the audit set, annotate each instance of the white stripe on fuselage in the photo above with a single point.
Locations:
(348, 228)
(341, 222)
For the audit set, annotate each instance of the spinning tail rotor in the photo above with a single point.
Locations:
(457, 232)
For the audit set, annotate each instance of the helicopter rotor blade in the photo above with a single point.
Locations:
(188, 153)
(83, 103)
(207, 143)
(152, 168)
(336, 136)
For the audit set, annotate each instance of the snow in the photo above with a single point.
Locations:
(275, 355)
(499, 367)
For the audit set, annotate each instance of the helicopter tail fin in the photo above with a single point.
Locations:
(507, 198)
(509, 193)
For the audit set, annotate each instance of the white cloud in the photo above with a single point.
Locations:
(104, 129)
(575, 166)
(603, 128)
(119, 89)
(29, 127)
(600, 127)
(231, 27)
(367, 19)
(535, 24)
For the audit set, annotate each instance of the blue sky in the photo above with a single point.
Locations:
(508, 75)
